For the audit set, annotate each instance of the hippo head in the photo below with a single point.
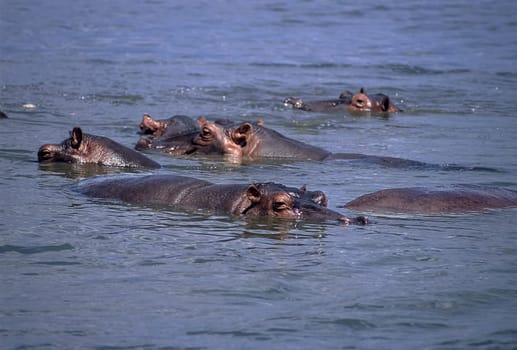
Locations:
(71, 150)
(151, 126)
(371, 103)
(216, 139)
(294, 102)
(270, 199)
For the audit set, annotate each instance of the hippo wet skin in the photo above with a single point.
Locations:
(256, 141)
(174, 126)
(359, 102)
(456, 199)
(186, 193)
(83, 148)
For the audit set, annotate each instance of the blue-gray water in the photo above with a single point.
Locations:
(79, 273)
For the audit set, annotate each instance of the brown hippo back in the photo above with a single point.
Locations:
(455, 199)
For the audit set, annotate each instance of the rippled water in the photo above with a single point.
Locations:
(86, 274)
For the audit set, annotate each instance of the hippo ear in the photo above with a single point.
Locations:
(245, 128)
(241, 134)
(303, 188)
(361, 91)
(253, 193)
(201, 121)
(77, 137)
(385, 103)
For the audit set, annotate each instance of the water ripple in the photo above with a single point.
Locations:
(35, 249)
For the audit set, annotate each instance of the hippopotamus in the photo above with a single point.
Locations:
(3, 115)
(256, 141)
(179, 136)
(187, 193)
(83, 148)
(346, 102)
(454, 199)
(174, 126)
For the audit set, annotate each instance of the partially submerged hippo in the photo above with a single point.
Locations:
(178, 136)
(347, 102)
(253, 141)
(256, 141)
(174, 126)
(84, 148)
(3, 115)
(337, 105)
(454, 199)
(246, 140)
(186, 193)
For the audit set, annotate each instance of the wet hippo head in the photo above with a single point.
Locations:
(174, 126)
(371, 103)
(269, 199)
(69, 151)
(216, 139)
(151, 126)
(361, 102)
(294, 102)
(84, 148)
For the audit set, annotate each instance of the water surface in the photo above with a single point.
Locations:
(83, 273)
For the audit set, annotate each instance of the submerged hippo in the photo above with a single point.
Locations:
(84, 148)
(186, 193)
(346, 102)
(338, 105)
(454, 199)
(173, 126)
(2, 115)
(180, 136)
(256, 141)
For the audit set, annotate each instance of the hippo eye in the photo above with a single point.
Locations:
(206, 133)
(279, 206)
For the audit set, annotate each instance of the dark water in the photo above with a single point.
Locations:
(79, 273)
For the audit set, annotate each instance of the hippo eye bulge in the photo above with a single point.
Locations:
(279, 206)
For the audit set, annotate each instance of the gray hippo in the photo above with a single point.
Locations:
(247, 140)
(256, 142)
(174, 126)
(253, 142)
(359, 102)
(455, 199)
(3, 115)
(84, 148)
(177, 135)
(187, 193)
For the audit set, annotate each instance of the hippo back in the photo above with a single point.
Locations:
(455, 199)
